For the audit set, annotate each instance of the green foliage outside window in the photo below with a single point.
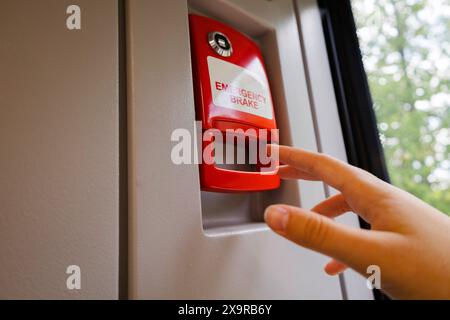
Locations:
(406, 53)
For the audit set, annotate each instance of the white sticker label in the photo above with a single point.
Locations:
(236, 88)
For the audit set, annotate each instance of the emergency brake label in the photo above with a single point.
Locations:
(236, 88)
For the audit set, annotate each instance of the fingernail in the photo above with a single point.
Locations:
(276, 217)
(269, 148)
(333, 272)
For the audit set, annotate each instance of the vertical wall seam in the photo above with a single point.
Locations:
(123, 154)
(314, 117)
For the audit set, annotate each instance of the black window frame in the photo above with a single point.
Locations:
(354, 101)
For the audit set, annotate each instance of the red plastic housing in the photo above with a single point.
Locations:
(230, 104)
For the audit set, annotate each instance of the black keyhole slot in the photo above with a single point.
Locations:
(222, 41)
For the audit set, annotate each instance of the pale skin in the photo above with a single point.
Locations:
(409, 240)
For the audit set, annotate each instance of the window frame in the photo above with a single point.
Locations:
(353, 97)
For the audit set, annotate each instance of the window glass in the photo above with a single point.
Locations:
(406, 53)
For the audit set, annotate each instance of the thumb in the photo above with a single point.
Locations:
(319, 233)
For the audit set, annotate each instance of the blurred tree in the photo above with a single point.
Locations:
(406, 53)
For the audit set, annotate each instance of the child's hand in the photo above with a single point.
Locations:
(409, 240)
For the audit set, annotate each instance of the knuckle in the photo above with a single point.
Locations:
(313, 166)
(360, 174)
(358, 178)
(314, 232)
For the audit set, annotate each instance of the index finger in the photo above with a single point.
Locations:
(332, 171)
